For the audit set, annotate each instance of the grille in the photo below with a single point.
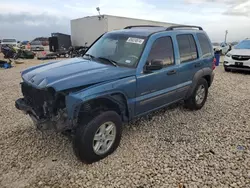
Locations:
(240, 58)
(35, 97)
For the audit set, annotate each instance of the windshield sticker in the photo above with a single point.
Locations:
(135, 40)
(127, 61)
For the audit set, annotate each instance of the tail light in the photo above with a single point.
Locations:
(214, 64)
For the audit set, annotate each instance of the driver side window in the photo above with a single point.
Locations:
(162, 49)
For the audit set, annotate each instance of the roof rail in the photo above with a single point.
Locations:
(133, 26)
(183, 26)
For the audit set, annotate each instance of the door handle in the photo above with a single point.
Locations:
(171, 72)
(197, 64)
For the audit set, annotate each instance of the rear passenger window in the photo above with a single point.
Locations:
(162, 49)
(205, 45)
(187, 48)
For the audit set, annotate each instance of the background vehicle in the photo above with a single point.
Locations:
(77, 51)
(57, 40)
(11, 42)
(223, 48)
(239, 57)
(123, 75)
(24, 42)
(36, 46)
(8, 51)
(11, 52)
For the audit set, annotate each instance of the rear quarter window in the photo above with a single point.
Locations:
(187, 47)
(205, 45)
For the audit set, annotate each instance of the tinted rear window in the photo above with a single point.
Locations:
(205, 45)
(187, 48)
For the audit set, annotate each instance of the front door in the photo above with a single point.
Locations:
(157, 88)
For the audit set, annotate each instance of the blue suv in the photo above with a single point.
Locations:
(123, 75)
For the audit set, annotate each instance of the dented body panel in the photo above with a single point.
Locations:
(58, 94)
(72, 73)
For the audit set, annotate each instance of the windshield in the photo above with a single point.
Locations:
(35, 43)
(245, 44)
(123, 49)
(9, 40)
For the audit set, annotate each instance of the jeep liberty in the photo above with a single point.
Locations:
(123, 75)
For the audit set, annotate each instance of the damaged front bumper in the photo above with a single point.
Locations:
(59, 122)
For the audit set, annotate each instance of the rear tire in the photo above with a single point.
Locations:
(85, 144)
(198, 98)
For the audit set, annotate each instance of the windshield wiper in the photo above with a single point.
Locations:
(89, 55)
(109, 60)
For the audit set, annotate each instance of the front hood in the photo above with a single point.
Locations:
(243, 52)
(72, 73)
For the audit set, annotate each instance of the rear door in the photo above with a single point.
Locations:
(189, 60)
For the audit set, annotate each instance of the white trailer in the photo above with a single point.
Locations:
(88, 29)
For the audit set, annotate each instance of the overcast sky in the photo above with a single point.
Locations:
(26, 19)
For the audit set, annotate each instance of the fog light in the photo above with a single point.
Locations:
(225, 62)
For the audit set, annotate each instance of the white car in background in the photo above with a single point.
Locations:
(36, 46)
(11, 42)
(239, 57)
(223, 48)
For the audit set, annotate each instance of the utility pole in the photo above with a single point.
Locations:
(226, 36)
(98, 10)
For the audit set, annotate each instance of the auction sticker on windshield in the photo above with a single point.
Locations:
(135, 40)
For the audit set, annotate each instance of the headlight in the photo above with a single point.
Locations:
(228, 55)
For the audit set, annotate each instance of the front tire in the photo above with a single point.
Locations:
(199, 96)
(226, 69)
(98, 138)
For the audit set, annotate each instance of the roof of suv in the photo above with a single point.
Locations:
(146, 30)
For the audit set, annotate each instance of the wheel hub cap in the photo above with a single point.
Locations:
(200, 94)
(104, 138)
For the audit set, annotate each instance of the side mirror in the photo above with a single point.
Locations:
(155, 64)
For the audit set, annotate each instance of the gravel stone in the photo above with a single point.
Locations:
(168, 148)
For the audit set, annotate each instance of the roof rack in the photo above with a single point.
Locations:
(133, 26)
(167, 28)
(183, 26)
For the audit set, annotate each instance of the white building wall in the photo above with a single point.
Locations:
(88, 29)
(116, 22)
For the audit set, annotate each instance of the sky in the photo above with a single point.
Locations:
(28, 19)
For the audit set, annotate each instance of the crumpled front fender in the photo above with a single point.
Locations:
(125, 86)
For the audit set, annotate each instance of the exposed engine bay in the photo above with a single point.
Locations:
(46, 108)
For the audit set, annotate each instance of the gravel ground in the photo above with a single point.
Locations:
(172, 147)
